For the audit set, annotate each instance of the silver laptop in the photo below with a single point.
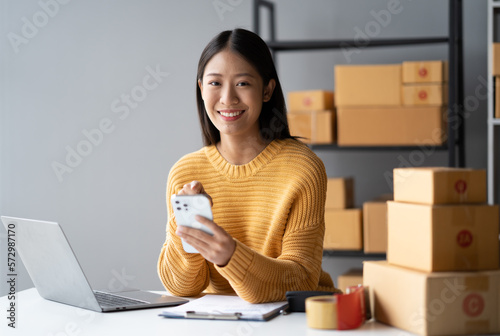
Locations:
(57, 275)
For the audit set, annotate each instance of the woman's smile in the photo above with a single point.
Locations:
(230, 114)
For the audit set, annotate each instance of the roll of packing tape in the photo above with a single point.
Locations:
(340, 311)
(321, 312)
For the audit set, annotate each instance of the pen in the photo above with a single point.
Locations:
(212, 316)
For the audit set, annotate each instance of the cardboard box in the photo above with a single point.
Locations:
(496, 59)
(343, 229)
(497, 97)
(368, 85)
(425, 72)
(316, 127)
(396, 126)
(425, 94)
(375, 225)
(310, 100)
(340, 193)
(439, 185)
(443, 237)
(440, 303)
(353, 277)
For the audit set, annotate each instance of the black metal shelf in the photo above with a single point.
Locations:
(456, 121)
(337, 44)
(352, 253)
(375, 148)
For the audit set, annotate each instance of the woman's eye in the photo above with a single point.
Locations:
(214, 83)
(243, 84)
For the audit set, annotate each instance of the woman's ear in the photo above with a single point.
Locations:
(201, 87)
(268, 90)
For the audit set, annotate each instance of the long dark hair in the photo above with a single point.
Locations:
(272, 120)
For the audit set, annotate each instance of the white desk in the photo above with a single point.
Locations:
(37, 316)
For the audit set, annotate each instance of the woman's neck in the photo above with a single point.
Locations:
(241, 151)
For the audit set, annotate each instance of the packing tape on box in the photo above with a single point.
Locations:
(340, 311)
(466, 238)
(314, 127)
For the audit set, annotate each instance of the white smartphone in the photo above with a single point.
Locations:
(185, 208)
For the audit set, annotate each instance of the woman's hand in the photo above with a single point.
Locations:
(218, 248)
(194, 188)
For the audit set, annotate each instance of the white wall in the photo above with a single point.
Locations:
(69, 76)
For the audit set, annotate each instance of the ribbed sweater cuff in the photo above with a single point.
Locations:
(238, 265)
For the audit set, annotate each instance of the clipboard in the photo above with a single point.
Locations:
(225, 307)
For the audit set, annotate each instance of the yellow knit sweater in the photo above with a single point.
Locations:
(272, 206)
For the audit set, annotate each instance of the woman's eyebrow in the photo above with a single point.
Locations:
(244, 74)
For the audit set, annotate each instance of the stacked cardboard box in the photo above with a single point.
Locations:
(311, 116)
(375, 224)
(441, 276)
(425, 83)
(496, 73)
(389, 105)
(343, 223)
(352, 277)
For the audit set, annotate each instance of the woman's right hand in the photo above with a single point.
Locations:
(194, 188)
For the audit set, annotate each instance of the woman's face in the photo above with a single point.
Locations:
(233, 93)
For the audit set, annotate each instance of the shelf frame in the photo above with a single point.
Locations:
(492, 122)
(456, 126)
(353, 253)
(338, 44)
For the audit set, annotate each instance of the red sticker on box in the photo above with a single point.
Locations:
(460, 186)
(473, 305)
(422, 94)
(464, 238)
(422, 72)
(307, 101)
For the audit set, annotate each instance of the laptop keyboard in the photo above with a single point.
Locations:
(111, 300)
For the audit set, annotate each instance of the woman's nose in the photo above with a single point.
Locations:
(229, 97)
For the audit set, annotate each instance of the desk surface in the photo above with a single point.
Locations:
(37, 316)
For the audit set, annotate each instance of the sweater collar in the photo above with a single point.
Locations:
(241, 171)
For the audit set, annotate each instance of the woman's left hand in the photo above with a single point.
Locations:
(217, 249)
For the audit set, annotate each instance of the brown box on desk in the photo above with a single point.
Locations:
(343, 229)
(425, 94)
(439, 303)
(353, 277)
(443, 237)
(439, 185)
(340, 193)
(390, 126)
(425, 72)
(367, 85)
(375, 225)
(310, 100)
(316, 127)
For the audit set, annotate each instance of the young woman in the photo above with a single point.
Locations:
(267, 189)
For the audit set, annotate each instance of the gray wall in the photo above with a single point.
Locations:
(73, 73)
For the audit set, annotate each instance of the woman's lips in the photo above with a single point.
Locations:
(230, 115)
